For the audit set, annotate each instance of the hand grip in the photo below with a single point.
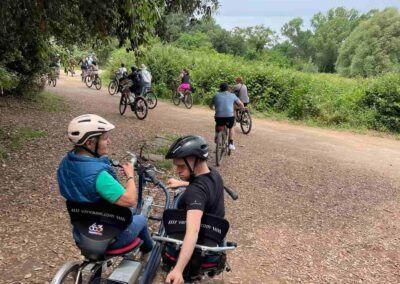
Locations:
(231, 193)
(152, 176)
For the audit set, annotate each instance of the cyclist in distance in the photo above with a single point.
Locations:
(204, 195)
(136, 79)
(184, 78)
(240, 90)
(85, 175)
(224, 102)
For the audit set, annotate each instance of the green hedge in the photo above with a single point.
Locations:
(326, 99)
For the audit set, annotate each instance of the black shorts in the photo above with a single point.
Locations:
(228, 121)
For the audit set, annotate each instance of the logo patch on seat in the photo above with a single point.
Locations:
(96, 229)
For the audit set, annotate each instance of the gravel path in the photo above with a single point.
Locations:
(315, 206)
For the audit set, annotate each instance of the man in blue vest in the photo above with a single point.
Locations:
(85, 175)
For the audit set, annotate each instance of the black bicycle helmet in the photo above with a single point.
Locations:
(188, 146)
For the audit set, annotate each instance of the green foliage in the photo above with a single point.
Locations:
(116, 57)
(194, 41)
(12, 139)
(373, 47)
(330, 31)
(383, 96)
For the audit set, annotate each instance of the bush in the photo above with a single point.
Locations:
(326, 99)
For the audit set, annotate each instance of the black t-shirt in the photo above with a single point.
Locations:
(205, 193)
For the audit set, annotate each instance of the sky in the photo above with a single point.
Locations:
(275, 13)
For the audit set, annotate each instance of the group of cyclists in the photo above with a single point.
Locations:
(85, 174)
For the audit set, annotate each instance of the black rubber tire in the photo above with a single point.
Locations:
(245, 122)
(219, 149)
(97, 83)
(176, 98)
(88, 81)
(123, 103)
(141, 108)
(54, 82)
(188, 100)
(151, 99)
(112, 88)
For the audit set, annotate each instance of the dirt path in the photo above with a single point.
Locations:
(315, 206)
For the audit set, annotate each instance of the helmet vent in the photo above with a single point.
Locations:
(75, 133)
(85, 120)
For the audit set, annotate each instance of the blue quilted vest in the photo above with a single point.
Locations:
(77, 177)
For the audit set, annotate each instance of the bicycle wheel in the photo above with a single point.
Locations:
(188, 100)
(123, 102)
(88, 81)
(97, 83)
(245, 122)
(68, 273)
(112, 88)
(151, 99)
(176, 98)
(226, 141)
(219, 149)
(141, 108)
(54, 82)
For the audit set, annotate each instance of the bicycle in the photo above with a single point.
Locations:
(221, 144)
(93, 79)
(105, 221)
(151, 98)
(114, 85)
(138, 106)
(244, 118)
(186, 98)
(52, 79)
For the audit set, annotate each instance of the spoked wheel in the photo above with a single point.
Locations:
(123, 103)
(88, 81)
(219, 149)
(151, 99)
(245, 122)
(67, 274)
(112, 88)
(97, 83)
(176, 98)
(188, 100)
(141, 108)
(54, 82)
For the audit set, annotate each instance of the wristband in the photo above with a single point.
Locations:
(129, 179)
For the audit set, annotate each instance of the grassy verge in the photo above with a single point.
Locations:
(12, 139)
(49, 102)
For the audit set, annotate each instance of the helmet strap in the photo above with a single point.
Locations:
(192, 175)
(94, 153)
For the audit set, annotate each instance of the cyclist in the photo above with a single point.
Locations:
(136, 79)
(240, 89)
(85, 175)
(123, 72)
(146, 78)
(223, 102)
(184, 77)
(204, 194)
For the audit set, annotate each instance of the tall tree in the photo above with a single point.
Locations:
(373, 47)
(300, 40)
(258, 37)
(330, 31)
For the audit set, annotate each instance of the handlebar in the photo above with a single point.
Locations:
(231, 193)
(203, 248)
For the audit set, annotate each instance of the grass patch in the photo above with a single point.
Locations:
(50, 102)
(12, 139)
(164, 165)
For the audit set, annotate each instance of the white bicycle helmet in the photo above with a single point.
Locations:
(83, 127)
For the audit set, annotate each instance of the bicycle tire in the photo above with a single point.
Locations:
(68, 273)
(245, 122)
(176, 98)
(151, 99)
(54, 82)
(88, 82)
(123, 103)
(188, 100)
(140, 108)
(97, 83)
(112, 88)
(219, 150)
